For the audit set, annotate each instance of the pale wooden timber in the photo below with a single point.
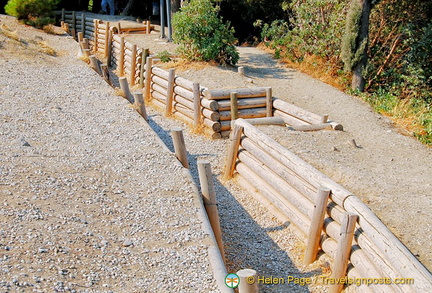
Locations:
(215, 126)
(197, 104)
(124, 86)
(210, 203)
(297, 112)
(241, 70)
(121, 57)
(160, 81)
(290, 120)
(312, 127)
(160, 72)
(133, 66)
(140, 105)
(234, 106)
(316, 226)
(184, 83)
(244, 113)
(343, 251)
(300, 167)
(224, 94)
(144, 54)
(233, 152)
(209, 104)
(179, 146)
(187, 94)
(266, 121)
(269, 102)
(147, 79)
(95, 64)
(170, 91)
(244, 285)
(225, 105)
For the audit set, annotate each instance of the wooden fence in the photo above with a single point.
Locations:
(183, 98)
(322, 212)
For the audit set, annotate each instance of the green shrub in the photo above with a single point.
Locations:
(202, 35)
(164, 56)
(33, 12)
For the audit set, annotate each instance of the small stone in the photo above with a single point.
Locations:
(127, 243)
(42, 250)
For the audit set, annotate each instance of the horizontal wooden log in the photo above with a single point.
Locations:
(187, 94)
(158, 96)
(160, 81)
(184, 110)
(267, 121)
(244, 113)
(184, 102)
(312, 127)
(226, 133)
(225, 125)
(116, 38)
(224, 105)
(303, 204)
(224, 94)
(290, 120)
(267, 190)
(299, 166)
(297, 112)
(210, 104)
(212, 115)
(389, 245)
(163, 91)
(213, 125)
(160, 72)
(129, 46)
(184, 83)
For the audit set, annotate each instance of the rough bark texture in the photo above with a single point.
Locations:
(358, 81)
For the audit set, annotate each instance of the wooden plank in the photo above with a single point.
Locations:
(266, 121)
(224, 94)
(245, 103)
(233, 152)
(297, 112)
(244, 113)
(290, 120)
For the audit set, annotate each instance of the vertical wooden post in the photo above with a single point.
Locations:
(139, 103)
(343, 250)
(83, 20)
(246, 286)
(148, 73)
(324, 118)
(105, 73)
(95, 64)
(63, 14)
(234, 106)
(133, 65)
(236, 134)
(316, 225)
(210, 203)
(109, 47)
(121, 56)
(241, 70)
(80, 39)
(96, 32)
(170, 92)
(179, 146)
(74, 24)
(125, 88)
(269, 102)
(148, 27)
(144, 54)
(86, 52)
(67, 28)
(197, 103)
(107, 43)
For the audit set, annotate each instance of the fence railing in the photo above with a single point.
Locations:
(294, 189)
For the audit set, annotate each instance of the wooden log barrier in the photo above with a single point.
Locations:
(144, 54)
(290, 120)
(83, 25)
(234, 106)
(179, 146)
(95, 64)
(105, 73)
(210, 203)
(266, 121)
(343, 251)
(160, 81)
(107, 39)
(187, 94)
(300, 167)
(109, 47)
(95, 34)
(184, 83)
(210, 104)
(316, 225)
(269, 102)
(160, 72)
(160, 89)
(121, 57)
(133, 66)
(244, 113)
(224, 94)
(245, 103)
(297, 112)
(312, 127)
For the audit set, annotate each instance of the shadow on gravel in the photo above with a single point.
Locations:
(247, 244)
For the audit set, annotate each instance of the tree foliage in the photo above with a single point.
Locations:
(202, 35)
(33, 12)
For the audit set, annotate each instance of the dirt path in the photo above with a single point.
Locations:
(389, 171)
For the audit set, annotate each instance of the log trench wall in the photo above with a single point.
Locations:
(290, 186)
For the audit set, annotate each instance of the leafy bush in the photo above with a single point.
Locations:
(202, 35)
(33, 12)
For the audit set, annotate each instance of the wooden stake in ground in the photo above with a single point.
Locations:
(248, 281)
(105, 73)
(170, 92)
(210, 203)
(124, 86)
(179, 146)
(148, 73)
(95, 64)
(139, 103)
(197, 103)
(234, 106)
(121, 57)
(144, 54)
(316, 225)
(269, 102)
(343, 251)
(236, 134)
(133, 65)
